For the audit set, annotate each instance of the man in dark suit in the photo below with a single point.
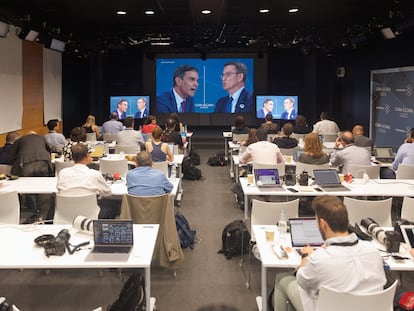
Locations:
(290, 112)
(233, 79)
(121, 109)
(142, 112)
(180, 97)
(267, 108)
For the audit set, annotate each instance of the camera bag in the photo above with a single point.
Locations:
(132, 296)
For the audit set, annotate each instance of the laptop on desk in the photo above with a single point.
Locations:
(304, 231)
(328, 180)
(113, 240)
(384, 154)
(267, 179)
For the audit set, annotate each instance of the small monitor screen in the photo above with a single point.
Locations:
(135, 106)
(283, 107)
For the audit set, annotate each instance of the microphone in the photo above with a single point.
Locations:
(83, 224)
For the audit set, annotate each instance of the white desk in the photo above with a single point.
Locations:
(42, 185)
(271, 261)
(374, 187)
(20, 252)
(227, 136)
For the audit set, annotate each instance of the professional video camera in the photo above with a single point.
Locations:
(390, 239)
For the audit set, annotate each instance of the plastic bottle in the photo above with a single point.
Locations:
(282, 224)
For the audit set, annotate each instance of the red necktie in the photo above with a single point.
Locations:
(183, 106)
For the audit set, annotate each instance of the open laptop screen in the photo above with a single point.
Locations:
(304, 231)
(383, 152)
(326, 177)
(113, 232)
(266, 177)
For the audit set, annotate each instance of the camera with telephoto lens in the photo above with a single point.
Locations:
(390, 239)
(57, 246)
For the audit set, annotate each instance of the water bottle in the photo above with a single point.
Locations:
(282, 224)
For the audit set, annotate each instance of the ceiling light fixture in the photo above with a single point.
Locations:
(293, 10)
(28, 34)
(120, 12)
(388, 33)
(205, 12)
(149, 12)
(264, 11)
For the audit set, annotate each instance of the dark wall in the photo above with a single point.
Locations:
(87, 84)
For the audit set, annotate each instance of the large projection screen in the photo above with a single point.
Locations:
(392, 105)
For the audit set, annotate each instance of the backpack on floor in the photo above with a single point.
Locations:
(132, 296)
(236, 239)
(190, 172)
(185, 234)
(194, 156)
(219, 159)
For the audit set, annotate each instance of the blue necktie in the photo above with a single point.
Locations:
(229, 104)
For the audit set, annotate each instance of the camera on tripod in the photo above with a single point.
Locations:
(390, 239)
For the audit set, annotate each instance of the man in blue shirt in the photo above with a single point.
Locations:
(146, 181)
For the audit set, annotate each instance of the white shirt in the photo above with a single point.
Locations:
(81, 180)
(326, 127)
(263, 152)
(235, 97)
(351, 269)
(129, 137)
(178, 100)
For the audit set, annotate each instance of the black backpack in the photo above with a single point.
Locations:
(194, 156)
(235, 239)
(132, 296)
(190, 172)
(219, 159)
(186, 235)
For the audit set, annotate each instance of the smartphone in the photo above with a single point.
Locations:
(318, 189)
(292, 189)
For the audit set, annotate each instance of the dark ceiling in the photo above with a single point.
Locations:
(94, 26)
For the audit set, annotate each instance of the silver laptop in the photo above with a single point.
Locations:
(267, 179)
(304, 231)
(113, 240)
(408, 234)
(328, 180)
(384, 154)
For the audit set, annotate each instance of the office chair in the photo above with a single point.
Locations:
(357, 171)
(332, 300)
(10, 208)
(378, 210)
(405, 171)
(162, 166)
(111, 166)
(127, 149)
(67, 207)
(280, 167)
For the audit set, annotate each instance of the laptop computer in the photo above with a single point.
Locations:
(267, 178)
(328, 180)
(97, 151)
(304, 231)
(384, 154)
(113, 239)
(408, 234)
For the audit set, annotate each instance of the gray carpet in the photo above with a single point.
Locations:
(205, 278)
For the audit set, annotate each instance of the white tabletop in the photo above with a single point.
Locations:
(39, 185)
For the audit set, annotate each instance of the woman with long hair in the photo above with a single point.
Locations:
(91, 127)
(150, 123)
(313, 153)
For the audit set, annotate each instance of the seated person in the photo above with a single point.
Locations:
(301, 125)
(240, 127)
(77, 135)
(91, 127)
(170, 135)
(252, 138)
(149, 124)
(179, 126)
(350, 154)
(359, 137)
(112, 126)
(5, 150)
(79, 179)
(286, 141)
(313, 153)
(361, 265)
(146, 181)
(263, 151)
(129, 136)
(55, 140)
(269, 125)
(159, 150)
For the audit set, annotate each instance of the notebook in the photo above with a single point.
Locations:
(267, 178)
(304, 231)
(384, 154)
(408, 234)
(328, 180)
(113, 239)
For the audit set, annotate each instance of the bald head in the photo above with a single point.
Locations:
(347, 138)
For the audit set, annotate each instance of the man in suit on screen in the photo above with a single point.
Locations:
(180, 97)
(290, 112)
(233, 79)
(121, 109)
(267, 108)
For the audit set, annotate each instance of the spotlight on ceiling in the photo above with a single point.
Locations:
(56, 45)
(388, 33)
(293, 10)
(28, 34)
(4, 29)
